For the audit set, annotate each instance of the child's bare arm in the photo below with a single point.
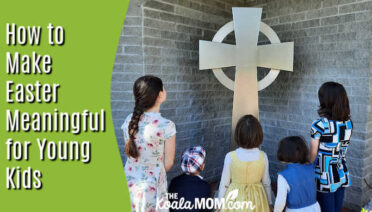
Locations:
(314, 145)
(169, 153)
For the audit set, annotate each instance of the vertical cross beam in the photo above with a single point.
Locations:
(247, 28)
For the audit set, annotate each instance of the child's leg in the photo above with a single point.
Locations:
(326, 201)
(339, 198)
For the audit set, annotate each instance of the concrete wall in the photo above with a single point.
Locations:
(332, 42)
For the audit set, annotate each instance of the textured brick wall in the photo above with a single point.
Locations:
(367, 174)
(332, 42)
(161, 38)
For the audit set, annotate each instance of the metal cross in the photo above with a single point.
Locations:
(246, 55)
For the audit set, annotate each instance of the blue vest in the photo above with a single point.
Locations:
(301, 181)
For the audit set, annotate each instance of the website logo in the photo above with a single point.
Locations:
(229, 203)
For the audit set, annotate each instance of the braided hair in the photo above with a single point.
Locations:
(146, 90)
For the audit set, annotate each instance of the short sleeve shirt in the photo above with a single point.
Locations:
(153, 131)
(330, 164)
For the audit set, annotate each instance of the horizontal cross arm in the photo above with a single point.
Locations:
(216, 55)
(276, 56)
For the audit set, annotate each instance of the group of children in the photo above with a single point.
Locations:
(313, 180)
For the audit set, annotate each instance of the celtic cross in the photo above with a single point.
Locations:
(246, 56)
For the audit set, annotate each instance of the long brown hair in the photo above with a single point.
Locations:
(146, 90)
(334, 103)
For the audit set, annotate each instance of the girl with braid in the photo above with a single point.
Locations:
(150, 146)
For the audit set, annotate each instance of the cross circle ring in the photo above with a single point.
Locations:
(221, 76)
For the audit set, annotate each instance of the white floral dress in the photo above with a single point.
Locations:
(146, 175)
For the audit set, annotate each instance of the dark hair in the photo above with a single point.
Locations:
(334, 103)
(146, 90)
(293, 149)
(248, 132)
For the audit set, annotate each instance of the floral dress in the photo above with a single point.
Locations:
(146, 174)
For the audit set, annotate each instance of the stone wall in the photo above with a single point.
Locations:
(332, 42)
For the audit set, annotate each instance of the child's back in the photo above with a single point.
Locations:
(189, 187)
(246, 176)
(301, 181)
(242, 171)
(246, 170)
(186, 188)
(296, 183)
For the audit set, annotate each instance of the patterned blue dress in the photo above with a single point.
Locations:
(330, 164)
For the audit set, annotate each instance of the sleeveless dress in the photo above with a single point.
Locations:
(297, 183)
(146, 176)
(246, 177)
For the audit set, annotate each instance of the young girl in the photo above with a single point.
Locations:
(330, 138)
(296, 183)
(247, 167)
(150, 145)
